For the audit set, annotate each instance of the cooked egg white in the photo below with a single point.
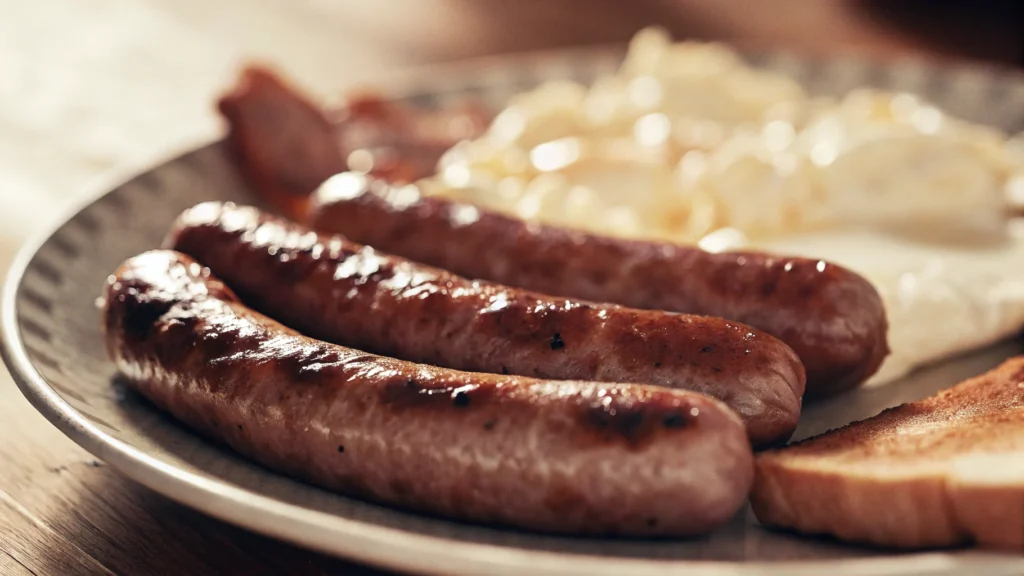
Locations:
(686, 143)
(940, 299)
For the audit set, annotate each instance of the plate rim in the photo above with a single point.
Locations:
(361, 541)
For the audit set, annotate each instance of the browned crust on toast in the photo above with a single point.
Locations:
(943, 471)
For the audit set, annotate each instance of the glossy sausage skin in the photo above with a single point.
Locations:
(556, 456)
(282, 141)
(336, 290)
(831, 317)
(287, 146)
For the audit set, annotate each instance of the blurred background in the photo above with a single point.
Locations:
(94, 90)
(94, 86)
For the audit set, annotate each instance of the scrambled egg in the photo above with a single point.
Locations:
(687, 143)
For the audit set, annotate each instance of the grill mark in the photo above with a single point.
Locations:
(634, 424)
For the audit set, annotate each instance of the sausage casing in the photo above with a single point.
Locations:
(561, 456)
(336, 290)
(288, 146)
(831, 317)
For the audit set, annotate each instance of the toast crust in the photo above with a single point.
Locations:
(944, 471)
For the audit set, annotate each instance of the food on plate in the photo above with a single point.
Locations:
(331, 288)
(282, 141)
(687, 143)
(561, 456)
(576, 318)
(831, 317)
(686, 139)
(942, 471)
(287, 146)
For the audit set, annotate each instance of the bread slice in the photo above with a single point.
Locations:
(943, 471)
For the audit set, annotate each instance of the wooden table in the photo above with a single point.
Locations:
(95, 88)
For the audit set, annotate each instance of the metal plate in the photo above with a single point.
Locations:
(52, 344)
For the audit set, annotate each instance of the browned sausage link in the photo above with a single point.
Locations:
(557, 456)
(831, 317)
(287, 146)
(283, 142)
(340, 291)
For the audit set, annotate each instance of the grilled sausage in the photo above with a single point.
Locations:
(556, 456)
(282, 141)
(287, 146)
(830, 316)
(349, 294)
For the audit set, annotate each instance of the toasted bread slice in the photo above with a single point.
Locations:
(943, 471)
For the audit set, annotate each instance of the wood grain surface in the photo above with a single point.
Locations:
(94, 88)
